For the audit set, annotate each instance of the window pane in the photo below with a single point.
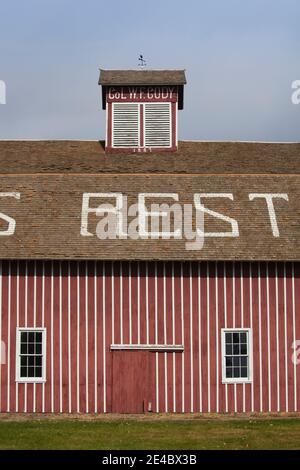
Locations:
(243, 338)
(236, 361)
(23, 360)
(228, 337)
(31, 337)
(235, 338)
(30, 371)
(38, 349)
(30, 348)
(23, 348)
(228, 361)
(38, 337)
(236, 372)
(30, 360)
(244, 361)
(236, 349)
(23, 337)
(38, 372)
(244, 372)
(228, 372)
(23, 371)
(229, 350)
(243, 348)
(38, 361)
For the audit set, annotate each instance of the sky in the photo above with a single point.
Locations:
(240, 56)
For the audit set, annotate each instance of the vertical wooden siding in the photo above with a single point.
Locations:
(87, 306)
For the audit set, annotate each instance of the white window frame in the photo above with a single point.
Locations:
(249, 379)
(18, 356)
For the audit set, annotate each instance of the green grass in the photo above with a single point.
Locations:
(162, 434)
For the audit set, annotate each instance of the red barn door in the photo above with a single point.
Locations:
(132, 380)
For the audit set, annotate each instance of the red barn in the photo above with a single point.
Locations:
(152, 282)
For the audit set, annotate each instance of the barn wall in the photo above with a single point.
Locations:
(86, 306)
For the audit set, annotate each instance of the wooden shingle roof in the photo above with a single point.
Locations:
(71, 156)
(142, 77)
(43, 184)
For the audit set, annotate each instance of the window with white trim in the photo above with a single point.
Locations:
(31, 355)
(237, 355)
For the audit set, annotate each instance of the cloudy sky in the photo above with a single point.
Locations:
(240, 56)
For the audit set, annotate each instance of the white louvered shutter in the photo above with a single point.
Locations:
(125, 125)
(157, 124)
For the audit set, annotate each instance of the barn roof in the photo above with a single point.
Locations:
(191, 158)
(142, 77)
(43, 183)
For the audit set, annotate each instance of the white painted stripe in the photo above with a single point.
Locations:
(191, 339)
(34, 325)
(155, 300)
(26, 317)
(69, 338)
(96, 336)
(43, 325)
(173, 339)
(8, 335)
(165, 337)
(217, 337)
(285, 342)
(86, 338)
(242, 324)
(147, 302)
(259, 335)
(199, 337)
(294, 334)
(277, 340)
(121, 301)
(233, 324)
(52, 333)
(60, 340)
(78, 338)
(139, 302)
(112, 302)
(182, 332)
(18, 324)
(269, 338)
(156, 341)
(225, 324)
(34, 294)
(208, 336)
(130, 305)
(251, 326)
(103, 337)
(157, 385)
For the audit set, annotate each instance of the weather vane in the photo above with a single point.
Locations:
(142, 62)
